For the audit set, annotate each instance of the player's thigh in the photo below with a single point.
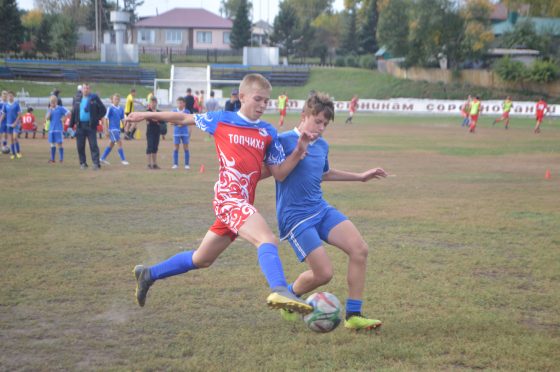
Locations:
(210, 248)
(346, 236)
(256, 231)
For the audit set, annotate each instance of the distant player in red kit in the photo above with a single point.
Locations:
(352, 109)
(541, 108)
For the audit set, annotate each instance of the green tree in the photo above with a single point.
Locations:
(106, 8)
(477, 30)
(12, 29)
(350, 36)
(367, 34)
(509, 70)
(328, 33)
(305, 43)
(43, 40)
(285, 28)
(132, 6)
(392, 29)
(525, 35)
(310, 9)
(64, 36)
(241, 30)
(228, 8)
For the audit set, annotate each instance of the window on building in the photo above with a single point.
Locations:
(173, 36)
(204, 37)
(226, 37)
(146, 36)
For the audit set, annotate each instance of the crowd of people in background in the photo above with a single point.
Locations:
(89, 119)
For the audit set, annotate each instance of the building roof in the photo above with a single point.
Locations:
(542, 25)
(186, 18)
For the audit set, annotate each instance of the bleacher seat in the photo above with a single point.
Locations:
(277, 75)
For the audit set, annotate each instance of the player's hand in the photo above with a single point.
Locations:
(304, 140)
(373, 173)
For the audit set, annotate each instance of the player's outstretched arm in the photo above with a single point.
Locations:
(339, 175)
(281, 171)
(170, 117)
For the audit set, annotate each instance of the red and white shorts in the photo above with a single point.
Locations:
(231, 214)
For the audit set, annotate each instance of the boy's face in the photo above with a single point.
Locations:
(116, 100)
(254, 102)
(153, 105)
(180, 105)
(314, 124)
(4, 96)
(10, 97)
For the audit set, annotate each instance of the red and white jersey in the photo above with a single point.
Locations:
(353, 104)
(242, 147)
(541, 107)
(27, 121)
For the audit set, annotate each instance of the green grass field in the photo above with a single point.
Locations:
(464, 263)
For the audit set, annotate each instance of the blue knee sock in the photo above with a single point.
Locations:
(13, 147)
(61, 153)
(271, 265)
(291, 289)
(121, 154)
(17, 147)
(175, 157)
(178, 264)
(106, 153)
(53, 152)
(4, 143)
(187, 157)
(353, 306)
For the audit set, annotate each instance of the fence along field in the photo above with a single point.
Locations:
(463, 265)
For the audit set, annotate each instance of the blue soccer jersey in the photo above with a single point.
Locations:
(57, 114)
(12, 111)
(181, 130)
(115, 114)
(299, 197)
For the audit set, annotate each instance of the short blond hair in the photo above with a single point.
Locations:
(53, 99)
(317, 103)
(251, 80)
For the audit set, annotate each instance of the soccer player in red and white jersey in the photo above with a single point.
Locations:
(28, 124)
(352, 109)
(541, 109)
(243, 143)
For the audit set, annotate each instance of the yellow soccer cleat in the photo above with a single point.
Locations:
(19, 155)
(358, 322)
(282, 298)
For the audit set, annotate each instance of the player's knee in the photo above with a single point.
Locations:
(323, 275)
(360, 250)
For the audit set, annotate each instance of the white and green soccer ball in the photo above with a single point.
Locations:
(5, 150)
(326, 315)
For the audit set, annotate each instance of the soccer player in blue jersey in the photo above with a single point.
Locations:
(12, 114)
(57, 115)
(4, 120)
(305, 218)
(243, 143)
(113, 117)
(181, 133)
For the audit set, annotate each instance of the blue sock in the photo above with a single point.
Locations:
(17, 147)
(53, 152)
(4, 143)
(61, 153)
(106, 153)
(175, 157)
(271, 265)
(187, 157)
(13, 149)
(178, 264)
(353, 306)
(291, 289)
(121, 154)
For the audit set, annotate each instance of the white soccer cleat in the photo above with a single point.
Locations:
(175, 166)
(103, 161)
(187, 167)
(124, 162)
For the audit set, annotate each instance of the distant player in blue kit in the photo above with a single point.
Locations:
(113, 117)
(57, 115)
(4, 120)
(305, 219)
(181, 133)
(11, 112)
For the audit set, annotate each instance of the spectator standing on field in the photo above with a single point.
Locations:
(86, 115)
(212, 104)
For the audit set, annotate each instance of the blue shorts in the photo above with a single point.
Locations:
(55, 137)
(178, 138)
(310, 234)
(115, 135)
(4, 128)
(13, 130)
